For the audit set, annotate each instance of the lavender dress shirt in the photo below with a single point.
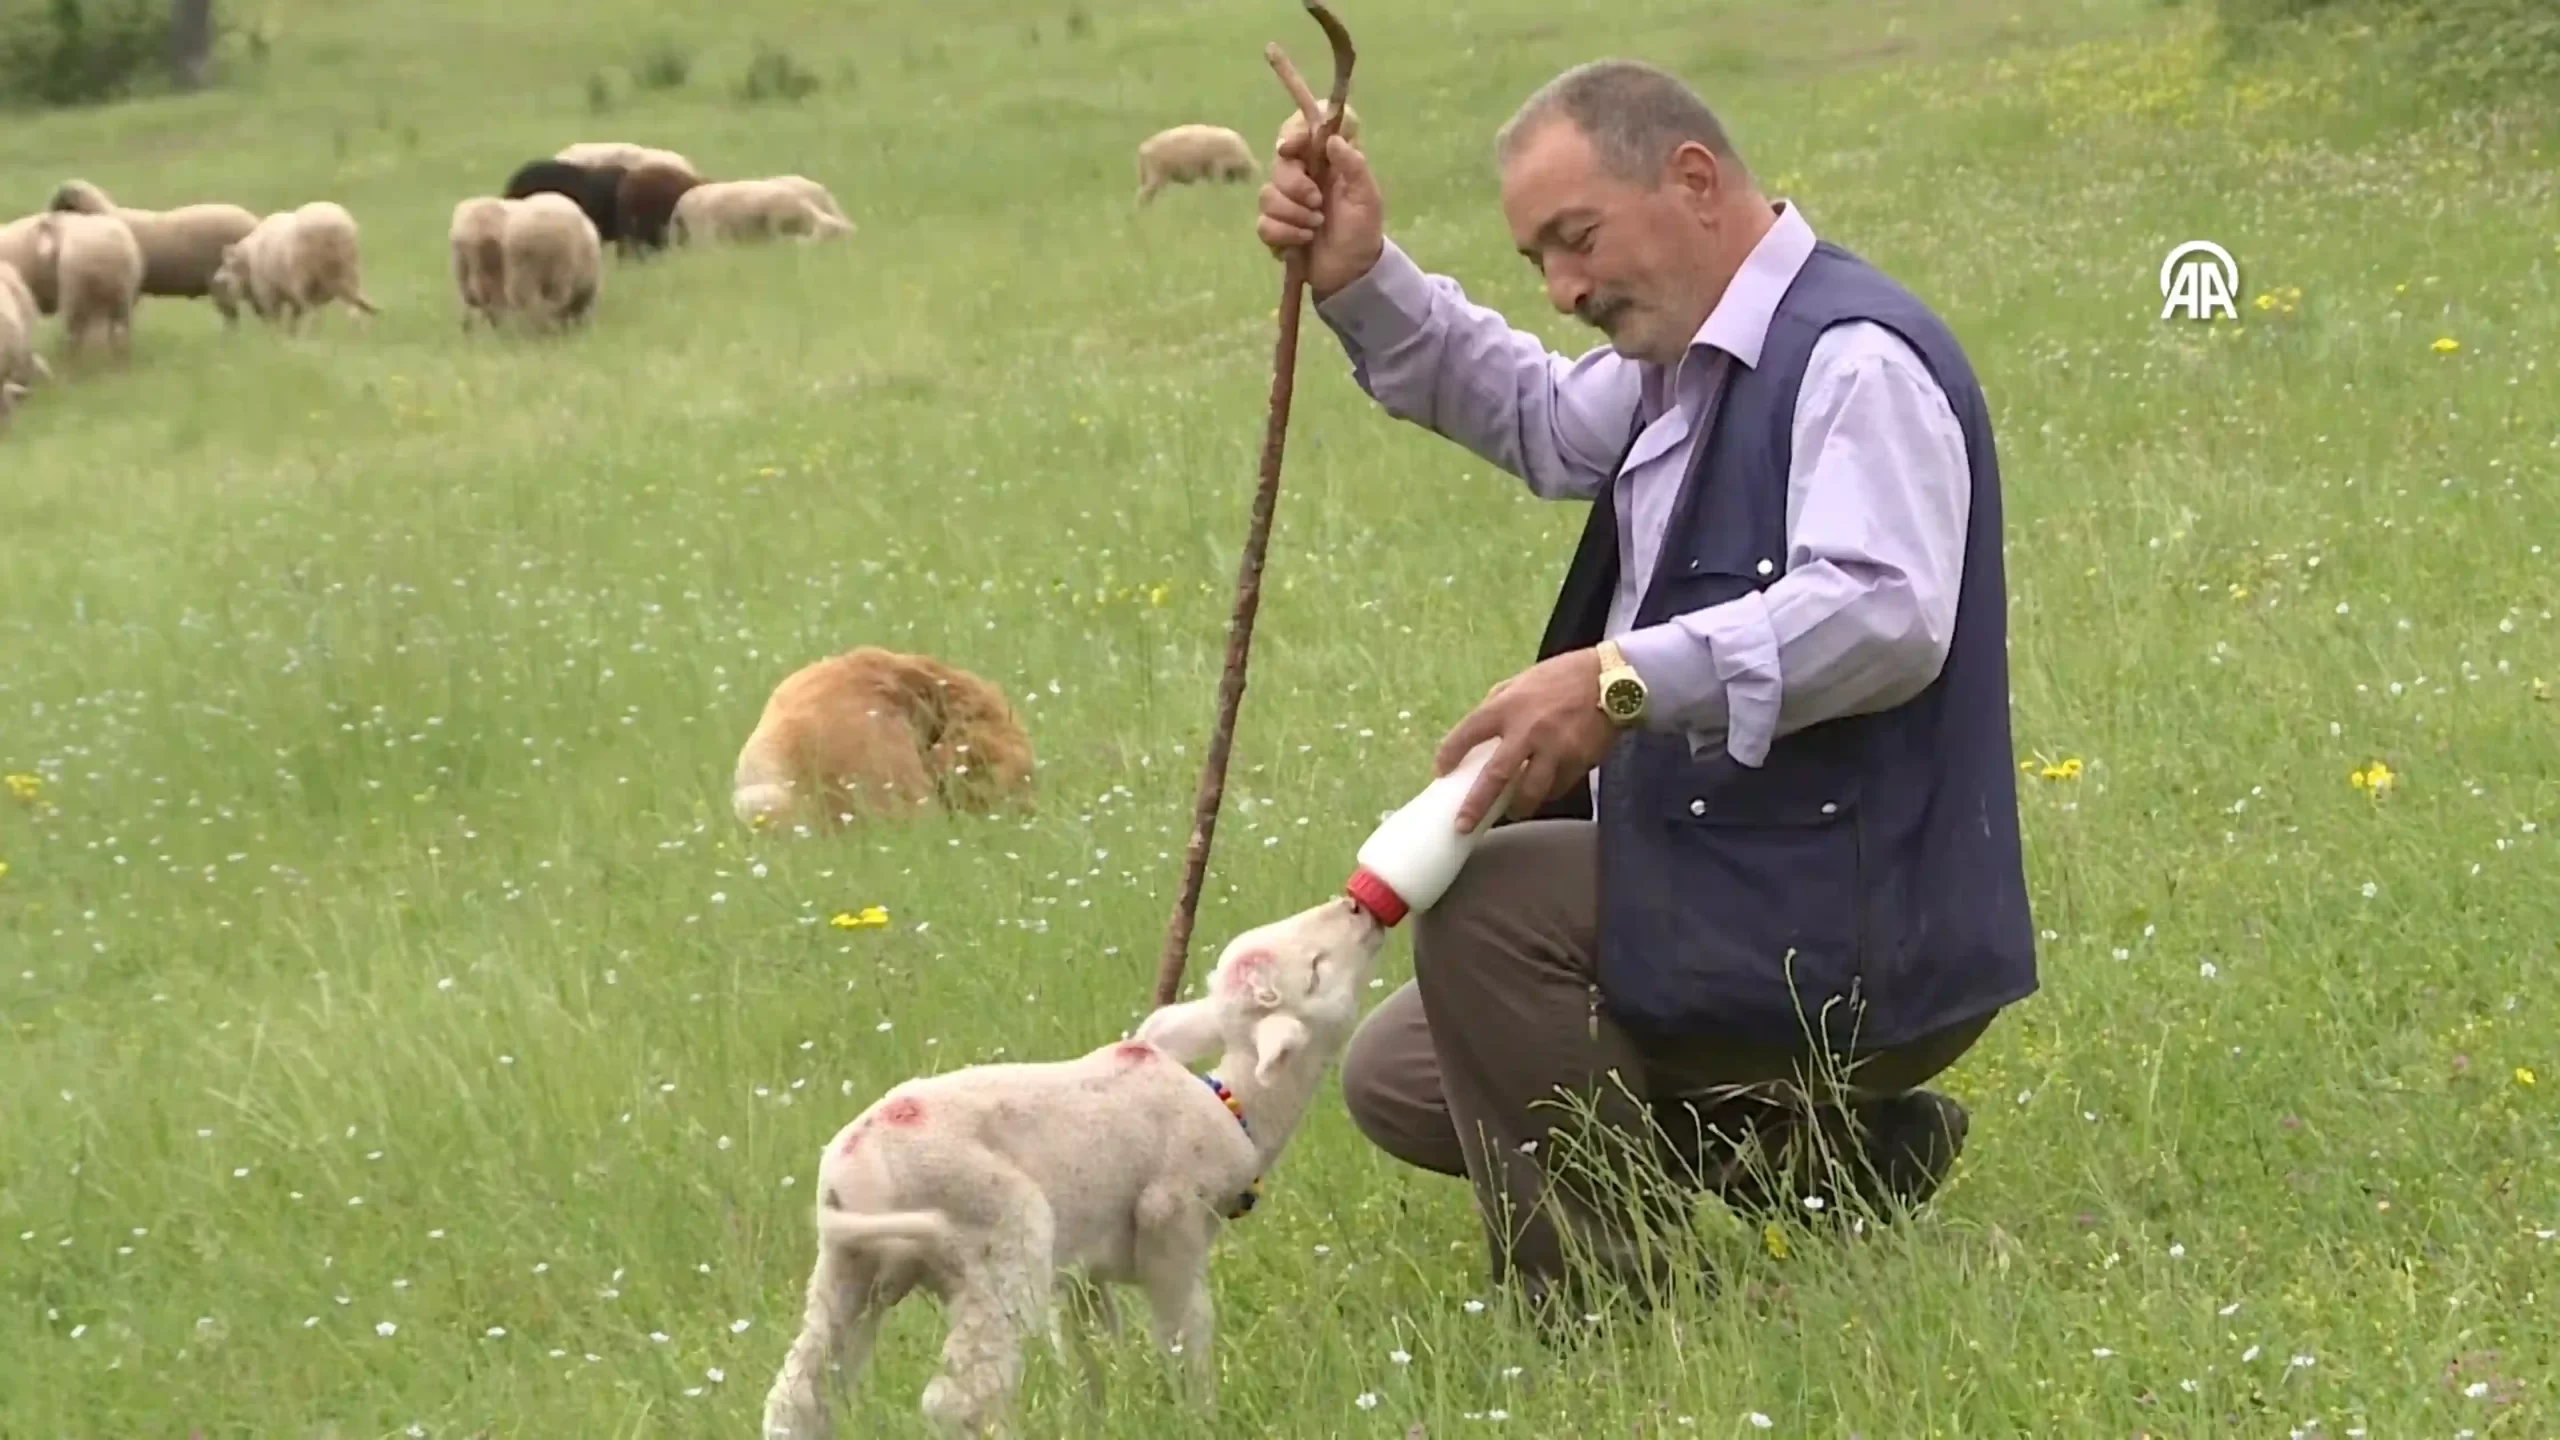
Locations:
(1877, 488)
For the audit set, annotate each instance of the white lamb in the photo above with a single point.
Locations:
(1187, 153)
(979, 1185)
(478, 238)
(294, 261)
(96, 266)
(744, 210)
(554, 261)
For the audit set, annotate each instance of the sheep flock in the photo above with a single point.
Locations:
(531, 257)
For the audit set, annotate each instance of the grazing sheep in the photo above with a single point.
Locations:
(875, 731)
(647, 201)
(18, 252)
(982, 1185)
(181, 248)
(479, 241)
(553, 259)
(96, 266)
(1187, 153)
(295, 261)
(738, 210)
(815, 193)
(595, 188)
(20, 365)
(624, 154)
(1296, 124)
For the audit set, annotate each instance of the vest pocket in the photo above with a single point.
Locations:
(1740, 905)
(1784, 859)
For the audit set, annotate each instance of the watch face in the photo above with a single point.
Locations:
(1623, 698)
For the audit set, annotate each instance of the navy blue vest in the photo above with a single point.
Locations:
(1865, 883)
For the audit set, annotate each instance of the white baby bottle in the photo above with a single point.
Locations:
(1407, 863)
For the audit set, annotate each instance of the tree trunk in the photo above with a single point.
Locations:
(191, 41)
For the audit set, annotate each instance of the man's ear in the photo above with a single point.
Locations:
(1695, 169)
(1276, 1040)
(1188, 1032)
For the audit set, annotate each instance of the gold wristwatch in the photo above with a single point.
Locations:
(1622, 691)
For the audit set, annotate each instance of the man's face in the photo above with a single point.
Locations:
(1625, 259)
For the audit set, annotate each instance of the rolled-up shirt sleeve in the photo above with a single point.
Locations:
(1879, 495)
(1430, 356)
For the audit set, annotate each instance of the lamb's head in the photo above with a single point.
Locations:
(230, 280)
(81, 195)
(1286, 993)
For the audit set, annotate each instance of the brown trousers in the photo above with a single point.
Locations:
(1459, 1071)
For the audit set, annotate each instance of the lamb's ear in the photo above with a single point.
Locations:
(1188, 1032)
(1276, 1040)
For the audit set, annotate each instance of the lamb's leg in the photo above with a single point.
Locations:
(1002, 1294)
(1173, 1267)
(840, 1317)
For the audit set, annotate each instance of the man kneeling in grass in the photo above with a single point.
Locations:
(1779, 657)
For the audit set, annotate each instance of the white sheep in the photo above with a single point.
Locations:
(554, 260)
(622, 153)
(1296, 124)
(815, 193)
(295, 261)
(181, 248)
(980, 1184)
(18, 252)
(96, 266)
(1187, 153)
(739, 210)
(478, 237)
(20, 365)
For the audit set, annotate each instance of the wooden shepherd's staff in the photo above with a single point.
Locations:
(1323, 124)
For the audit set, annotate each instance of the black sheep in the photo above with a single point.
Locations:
(594, 188)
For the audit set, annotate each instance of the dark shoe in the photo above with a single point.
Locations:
(1906, 1146)
(1912, 1141)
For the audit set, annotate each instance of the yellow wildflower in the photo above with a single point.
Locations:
(4, 869)
(1775, 1239)
(2283, 298)
(1156, 594)
(25, 787)
(2447, 345)
(2375, 780)
(869, 915)
(2067, 769)
(2524, 1076)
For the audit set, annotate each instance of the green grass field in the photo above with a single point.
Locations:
(402, 1039)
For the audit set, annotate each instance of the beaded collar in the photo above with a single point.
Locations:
(1253, 1193)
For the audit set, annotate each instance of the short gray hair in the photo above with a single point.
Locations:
(1634, 114)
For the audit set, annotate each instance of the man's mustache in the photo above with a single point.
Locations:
(1597, 313)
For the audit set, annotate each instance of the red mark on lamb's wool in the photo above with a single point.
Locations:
(1133, 1052)
(852, 1138)
(905, 1110)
